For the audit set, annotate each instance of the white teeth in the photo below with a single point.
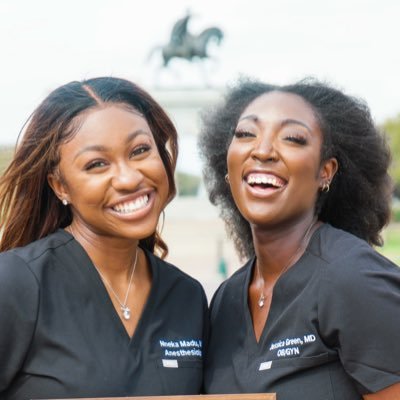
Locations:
(125, 208)
(265, 180)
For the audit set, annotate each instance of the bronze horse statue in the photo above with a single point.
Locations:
(184, 45)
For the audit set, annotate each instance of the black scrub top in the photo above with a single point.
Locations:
(332, 331)
(60, 335)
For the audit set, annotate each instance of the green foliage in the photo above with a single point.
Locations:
(396, 211)
(392, 128)
(5, 157)
(391, 248)
(188, 184)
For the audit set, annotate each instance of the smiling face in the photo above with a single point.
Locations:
(274, 164)
(112, 175)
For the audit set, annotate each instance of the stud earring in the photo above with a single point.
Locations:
(65, 202)
(227, 179)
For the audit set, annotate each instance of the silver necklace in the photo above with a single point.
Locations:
(126, 311)
(304, 239)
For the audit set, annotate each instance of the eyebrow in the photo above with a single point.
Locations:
(285, 122)
(253, 117)
(101, 148)
(290, 121)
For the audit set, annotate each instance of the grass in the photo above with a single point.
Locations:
(391, 249)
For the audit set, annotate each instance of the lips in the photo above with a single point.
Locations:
(131, 206)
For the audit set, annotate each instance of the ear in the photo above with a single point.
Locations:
(328, 171)
(58, 186)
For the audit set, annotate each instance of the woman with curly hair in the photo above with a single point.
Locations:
(89, 308)
(300, 175)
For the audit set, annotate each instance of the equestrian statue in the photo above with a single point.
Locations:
(183, 44)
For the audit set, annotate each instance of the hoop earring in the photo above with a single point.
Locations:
(326, 187)
(65, 202)
(227, 179)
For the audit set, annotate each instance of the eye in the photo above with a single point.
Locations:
(95, 164)
(240, 133)
(138, 150)
(296, 138)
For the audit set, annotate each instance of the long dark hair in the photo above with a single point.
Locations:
(29, 209)
(359, 197)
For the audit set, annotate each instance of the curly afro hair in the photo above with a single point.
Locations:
(359, 197)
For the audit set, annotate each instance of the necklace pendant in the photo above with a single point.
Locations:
(126, 312)
(261, 301)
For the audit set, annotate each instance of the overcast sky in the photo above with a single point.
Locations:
(46, 43)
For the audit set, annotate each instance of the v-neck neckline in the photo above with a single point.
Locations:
(100, 292)
(251, 339)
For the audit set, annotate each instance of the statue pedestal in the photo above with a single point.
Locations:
(184, 105)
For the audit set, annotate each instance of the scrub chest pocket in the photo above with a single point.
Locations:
(174, 373)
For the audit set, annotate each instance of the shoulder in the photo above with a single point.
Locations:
(331, 244)
(351, 267)
(358, 304)
(15, 274)
(340, 251)
(38, 248)
(31, 257)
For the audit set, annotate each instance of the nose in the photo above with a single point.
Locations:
(126, 177)
(264, 150)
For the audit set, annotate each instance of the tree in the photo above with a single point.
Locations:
(392, 128)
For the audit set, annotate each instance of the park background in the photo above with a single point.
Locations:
(353, 44)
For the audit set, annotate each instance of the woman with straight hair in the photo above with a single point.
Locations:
(88, 306)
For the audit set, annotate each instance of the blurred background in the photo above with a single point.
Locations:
(353, 44)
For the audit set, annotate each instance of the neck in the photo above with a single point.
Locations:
(278, 249)
(110, 255)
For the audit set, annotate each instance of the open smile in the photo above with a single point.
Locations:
(132, 206)
(263, 183)
(135, 207)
